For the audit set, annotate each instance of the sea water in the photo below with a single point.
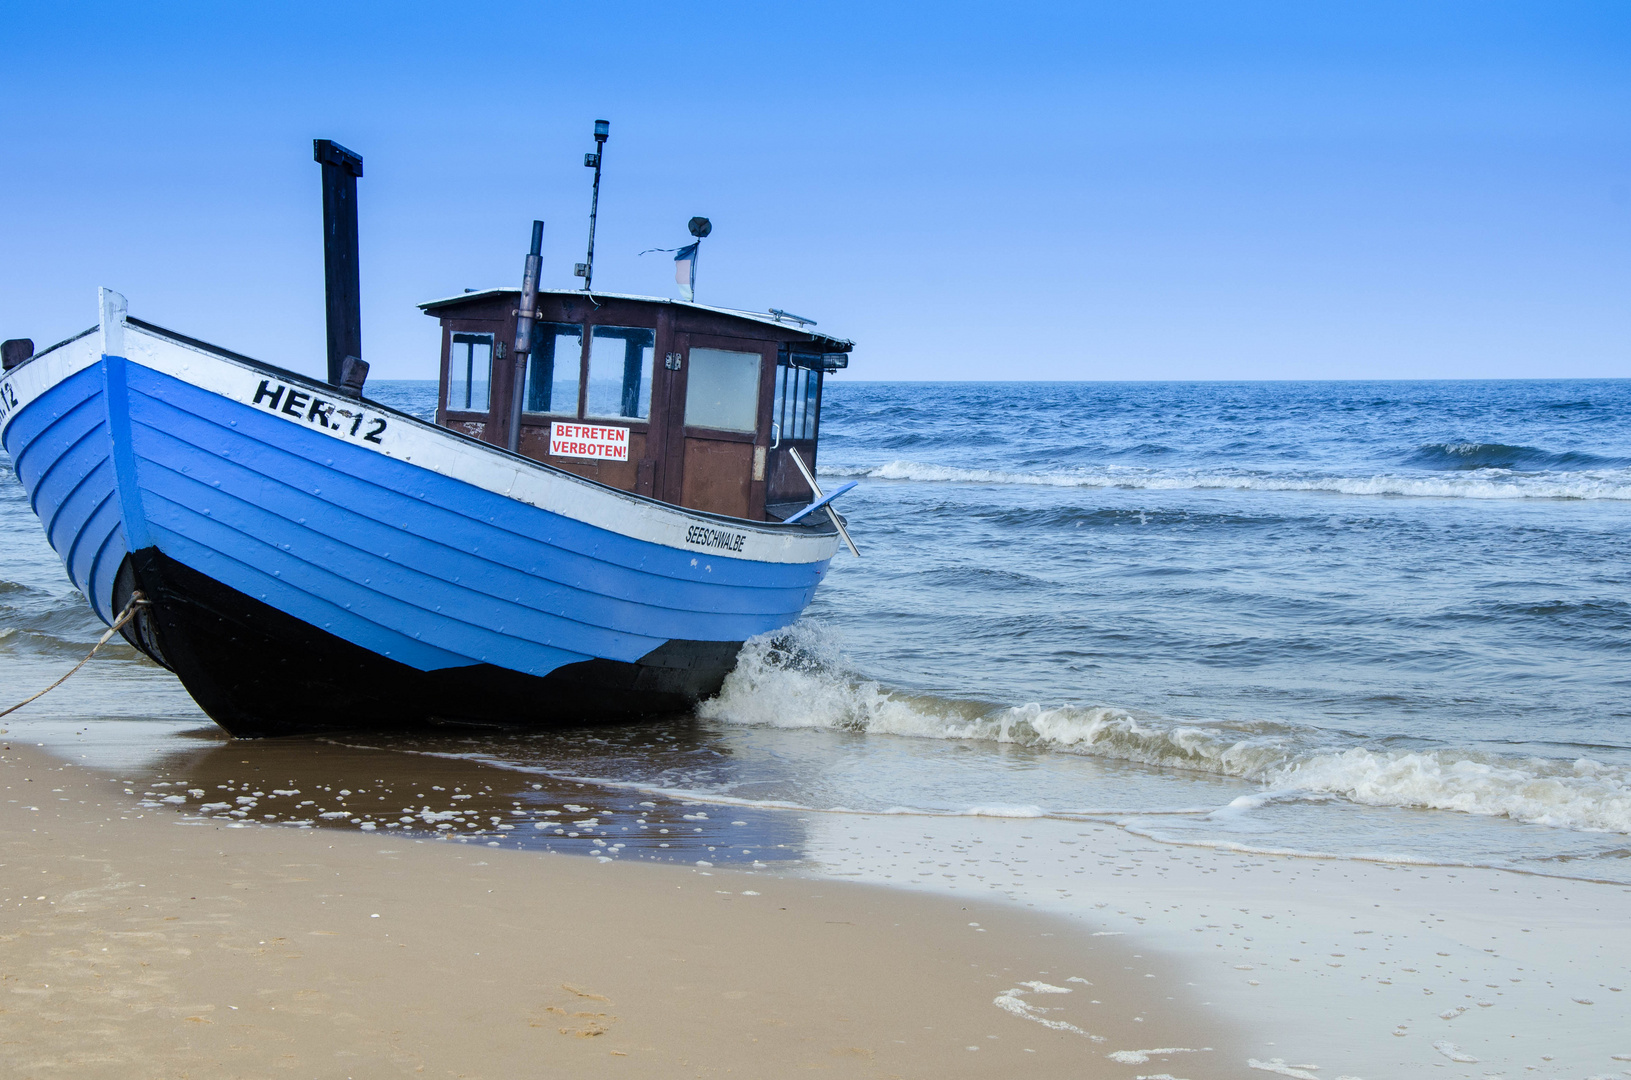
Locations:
(1380, 620)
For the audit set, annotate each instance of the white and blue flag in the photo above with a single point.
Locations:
(685, 271)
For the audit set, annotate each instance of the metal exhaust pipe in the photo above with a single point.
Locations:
(524, 318)
(341, 287)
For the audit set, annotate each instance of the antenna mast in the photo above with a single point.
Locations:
(586, 270)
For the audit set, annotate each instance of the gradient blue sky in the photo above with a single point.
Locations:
(1143, 189)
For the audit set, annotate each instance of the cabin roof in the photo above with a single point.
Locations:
(763, 318)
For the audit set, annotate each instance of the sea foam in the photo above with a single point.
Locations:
(796, 679)
(1475, 483)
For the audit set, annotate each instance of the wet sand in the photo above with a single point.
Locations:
(1311, 966)
(1327, 968)
(135, 942)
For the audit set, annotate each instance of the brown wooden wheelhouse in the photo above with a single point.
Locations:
(706, 403)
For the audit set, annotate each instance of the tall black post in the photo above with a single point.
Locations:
(341, 168)
(525, 316)
(602, 130)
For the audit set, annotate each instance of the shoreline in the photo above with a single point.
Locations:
(135, 943)
(1364, 969)
(1283, 965)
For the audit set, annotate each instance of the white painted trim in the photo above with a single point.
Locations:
(112, 307)
(23, 384)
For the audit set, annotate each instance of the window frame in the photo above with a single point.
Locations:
(472, 339)
(648, 371)
(797, 416)
(555, 330)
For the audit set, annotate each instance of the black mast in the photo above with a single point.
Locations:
(586, 270)
(341, 168)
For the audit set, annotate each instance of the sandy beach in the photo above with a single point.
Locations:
(140, 944)
(143, 928)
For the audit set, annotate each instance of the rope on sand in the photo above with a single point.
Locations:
(125, 616)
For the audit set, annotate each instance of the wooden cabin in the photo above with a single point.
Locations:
(694, 405)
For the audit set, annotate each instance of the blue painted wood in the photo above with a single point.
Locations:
(68, 412)
(59, 446)
(117, 395)
(413, 565)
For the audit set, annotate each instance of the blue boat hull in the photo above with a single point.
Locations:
(314, 562)
(60, 451)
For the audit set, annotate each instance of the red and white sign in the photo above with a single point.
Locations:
(589, 441)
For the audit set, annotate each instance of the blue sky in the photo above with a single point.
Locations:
(1143, 189)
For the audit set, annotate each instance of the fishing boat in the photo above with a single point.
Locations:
(616, 491)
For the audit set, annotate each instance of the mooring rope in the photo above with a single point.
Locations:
(125, 616)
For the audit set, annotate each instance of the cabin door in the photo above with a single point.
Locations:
(795, 415)
(718, 427)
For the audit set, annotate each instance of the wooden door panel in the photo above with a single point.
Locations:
(670, 464)
(718, 476)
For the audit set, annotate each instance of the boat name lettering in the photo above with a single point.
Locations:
(8, 400)
(715, 538)
(319, 411)
(589, 441)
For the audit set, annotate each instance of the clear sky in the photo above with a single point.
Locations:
(1139, 189)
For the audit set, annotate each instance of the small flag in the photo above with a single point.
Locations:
(685, 271)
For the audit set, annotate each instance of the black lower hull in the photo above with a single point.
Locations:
(260, 672)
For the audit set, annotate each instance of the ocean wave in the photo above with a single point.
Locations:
(1468, 456)
(795, 679)
(44, 622)
(1578, 794)
(1479, 483)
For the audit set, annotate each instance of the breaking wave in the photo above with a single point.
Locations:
(794, 679)
(1472, 456)
(1472, 482)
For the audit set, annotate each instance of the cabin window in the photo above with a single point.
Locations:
(552, 369)
(469, 372)
(798, 401)
(620, 371)
(722, 390)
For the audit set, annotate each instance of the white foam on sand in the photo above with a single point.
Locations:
(1139, 1057)
(1013, 1001)
(1280, 1068)
(994, 811)
(1454, 1052)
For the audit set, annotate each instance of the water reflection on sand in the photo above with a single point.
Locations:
(442, 783)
